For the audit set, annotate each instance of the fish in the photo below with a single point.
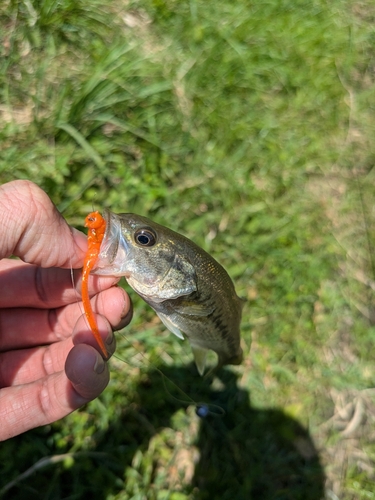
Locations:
(188, 289)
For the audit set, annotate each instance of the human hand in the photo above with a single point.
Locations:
(50, 363)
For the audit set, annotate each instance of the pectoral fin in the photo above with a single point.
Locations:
(200, 358)
(193, 309)
(171, 326)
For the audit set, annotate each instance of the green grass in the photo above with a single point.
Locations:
(248, 126)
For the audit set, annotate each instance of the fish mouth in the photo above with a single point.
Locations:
(113, 250)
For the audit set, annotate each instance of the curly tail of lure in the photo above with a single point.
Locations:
(96, 229)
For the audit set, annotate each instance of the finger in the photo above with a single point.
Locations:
(26, 285)
(28, 327)
(48, 399)
(23, 366)
(88, 379)
(34, 230)
(83, 335)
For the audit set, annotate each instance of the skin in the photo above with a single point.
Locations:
(50, 363)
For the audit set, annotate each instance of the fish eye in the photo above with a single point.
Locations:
(145, 237)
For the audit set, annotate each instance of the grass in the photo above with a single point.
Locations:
(249, 128)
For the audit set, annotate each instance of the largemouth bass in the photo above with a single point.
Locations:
(190, 292)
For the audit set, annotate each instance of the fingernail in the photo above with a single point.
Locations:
(99, 365)
(124, 321)
(126, 308)
(127, 313)
(110, 339)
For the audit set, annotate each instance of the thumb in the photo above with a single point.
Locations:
(34, 230)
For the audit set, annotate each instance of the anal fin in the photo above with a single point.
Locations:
(200, 358)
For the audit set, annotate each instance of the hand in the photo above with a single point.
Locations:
(50, 363)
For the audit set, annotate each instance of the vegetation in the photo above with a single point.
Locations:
(247, 126)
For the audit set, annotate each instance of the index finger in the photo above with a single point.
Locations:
(32, 228)
(26, 285)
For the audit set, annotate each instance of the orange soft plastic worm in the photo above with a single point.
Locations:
(96, 225)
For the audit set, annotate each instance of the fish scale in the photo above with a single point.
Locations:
(188, 289)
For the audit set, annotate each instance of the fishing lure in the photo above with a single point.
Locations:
(96, 229)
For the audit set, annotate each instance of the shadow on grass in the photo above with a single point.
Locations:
(245, 453)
